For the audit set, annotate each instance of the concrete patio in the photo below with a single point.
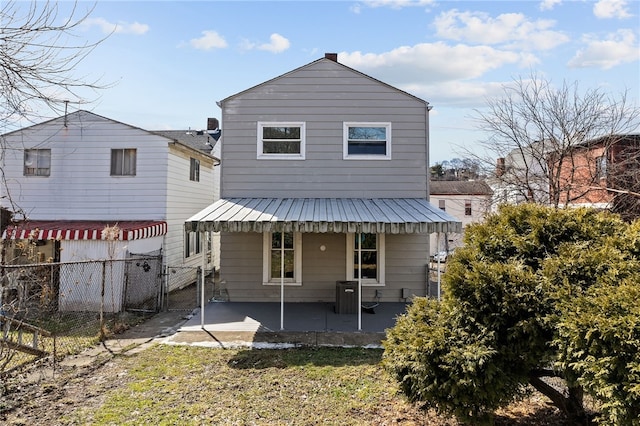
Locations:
(257, 324)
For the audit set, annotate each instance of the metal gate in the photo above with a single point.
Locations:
(143, 282)
(183, 287)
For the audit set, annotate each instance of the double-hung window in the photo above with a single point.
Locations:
(365, 258)
(282, 248)
(366, 141)
(37, 162)
(467, 207)
(191, 244)
(281, 141)
(601, 167)
(194, 170)
(123, 162)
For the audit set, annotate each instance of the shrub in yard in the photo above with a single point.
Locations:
(523, 300)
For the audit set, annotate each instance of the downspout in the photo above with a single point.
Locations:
(428, 196)
(203, 268)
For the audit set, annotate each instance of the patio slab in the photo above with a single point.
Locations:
(257, 324)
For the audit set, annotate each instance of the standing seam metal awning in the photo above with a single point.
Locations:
(341, 215)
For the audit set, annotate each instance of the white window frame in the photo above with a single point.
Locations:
(121, 170)
(260, 153)
(266, 261)
(345, 141)
(37, 169)
(366, 282)
(192, 244)
(194, 169)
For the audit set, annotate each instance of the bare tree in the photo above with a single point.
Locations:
(39, 53)
(536, 131)
(40, 49)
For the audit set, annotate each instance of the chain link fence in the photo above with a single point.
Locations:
(57, 309)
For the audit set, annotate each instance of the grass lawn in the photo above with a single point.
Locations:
(185, 385)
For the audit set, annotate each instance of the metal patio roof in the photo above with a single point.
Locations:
(371, 215)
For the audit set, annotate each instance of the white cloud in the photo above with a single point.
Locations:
(433, 62)
(549, 4)
(120, 27)
(509, 29)
(618, 48)
(209, 40)
(605, 9)
(277, 44)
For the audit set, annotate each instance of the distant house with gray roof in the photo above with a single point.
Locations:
(467, 201)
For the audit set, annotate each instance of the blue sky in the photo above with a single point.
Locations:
(171, 61)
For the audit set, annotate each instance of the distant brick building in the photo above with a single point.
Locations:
(601, 173)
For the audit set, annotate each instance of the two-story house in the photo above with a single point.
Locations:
(67, 179)
(324, 179)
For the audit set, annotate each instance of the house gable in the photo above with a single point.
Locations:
(325, 96)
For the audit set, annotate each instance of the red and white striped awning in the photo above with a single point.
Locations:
(83, 230)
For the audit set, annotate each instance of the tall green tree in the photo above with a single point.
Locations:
(523, 302)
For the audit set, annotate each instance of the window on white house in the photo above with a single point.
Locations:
(37, 162)
(123, 162)
(442, 205)
(194, 170)
(467, 207)
(366, 255)
(366, 141)
(191, 244)
(275, 246)
(284, 141)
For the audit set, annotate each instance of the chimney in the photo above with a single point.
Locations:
(331, 56)
(500, 167)
(212, 123)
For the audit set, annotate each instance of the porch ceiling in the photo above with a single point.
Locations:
(371, 215)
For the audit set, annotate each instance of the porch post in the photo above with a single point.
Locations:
(282, 280)
(204, 266)
(438, 256)
(359, 281)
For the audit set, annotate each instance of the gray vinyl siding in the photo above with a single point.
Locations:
(241, 268)
(324, 95)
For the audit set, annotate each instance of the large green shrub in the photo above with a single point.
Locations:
(527, 298)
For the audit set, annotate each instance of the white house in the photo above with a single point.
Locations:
(467, 201)
(68, 178)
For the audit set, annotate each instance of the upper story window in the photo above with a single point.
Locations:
(283, 141)
(467, 207)
(367, 141)
(37, 162)
(194, 170)
(601, 167)
(123, 162)
(442, 204)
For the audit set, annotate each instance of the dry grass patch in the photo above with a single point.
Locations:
(181, 385)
